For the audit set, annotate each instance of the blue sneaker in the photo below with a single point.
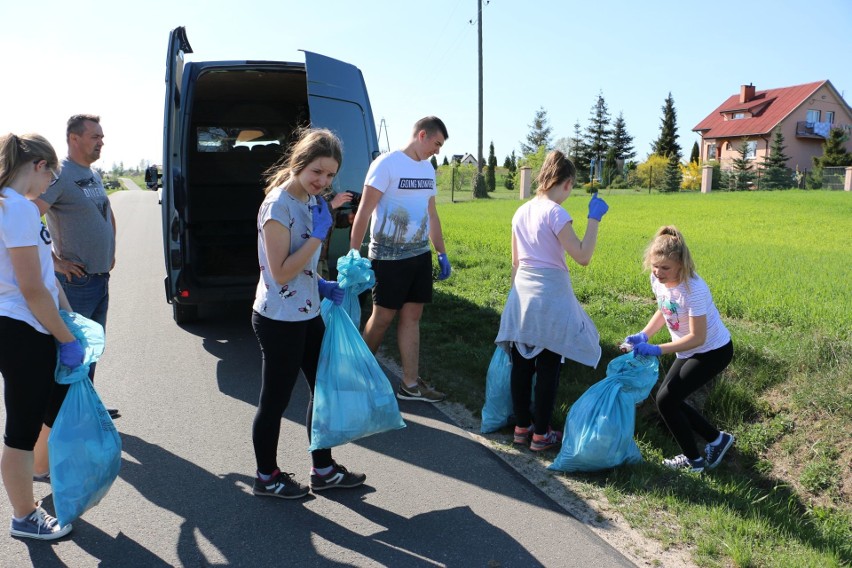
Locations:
(38, 525)
(715, 453)
(681, 462)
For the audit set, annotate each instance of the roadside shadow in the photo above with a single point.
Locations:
(221, 510)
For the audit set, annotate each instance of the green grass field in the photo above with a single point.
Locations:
(779, 265)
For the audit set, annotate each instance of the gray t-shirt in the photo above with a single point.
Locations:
(80, 218)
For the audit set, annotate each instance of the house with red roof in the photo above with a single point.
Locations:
(804, 113)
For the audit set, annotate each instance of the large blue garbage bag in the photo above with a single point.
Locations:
(352, 398)
(355, 275)
(599, 428)
(498, 392)
(84, 447)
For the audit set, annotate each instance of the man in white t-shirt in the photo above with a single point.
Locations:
(398, 203)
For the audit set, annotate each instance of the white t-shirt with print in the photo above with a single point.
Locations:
(680, 302)
(298, 299)
(399, 226)
(20, 226)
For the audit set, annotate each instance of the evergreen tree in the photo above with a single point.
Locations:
(741, 174)
(776, 175)
(514, 162)
(621, 140)
(446, 162)
(610, 167)
(490, 169)
(695, 156)
(596, 139)
(834, 153)
(666, 145)
(434, 162)
(480, 190)
(578, 153)
(507, 163)
(539, 134)
(672, 177)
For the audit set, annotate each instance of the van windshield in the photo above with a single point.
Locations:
(233, 139)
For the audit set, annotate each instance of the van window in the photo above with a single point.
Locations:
(346, 120)
(232, 139)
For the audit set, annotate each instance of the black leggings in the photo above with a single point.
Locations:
(684, 378)
(286, 347)
(546, 366)
(32, 397)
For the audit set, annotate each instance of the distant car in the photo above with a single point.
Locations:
(225, 124)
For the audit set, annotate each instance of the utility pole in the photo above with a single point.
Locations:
(479, 148)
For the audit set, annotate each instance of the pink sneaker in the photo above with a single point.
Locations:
(547, 441)
(523, 435)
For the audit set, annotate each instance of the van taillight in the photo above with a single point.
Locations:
(184, 293)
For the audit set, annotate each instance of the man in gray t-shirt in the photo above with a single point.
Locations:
(81, 224)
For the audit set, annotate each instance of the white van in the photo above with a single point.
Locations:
(225, 123)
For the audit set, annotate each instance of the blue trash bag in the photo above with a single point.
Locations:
(352, 397)
(498, 393)
(355, 275)
(599, 428)
(84, 447)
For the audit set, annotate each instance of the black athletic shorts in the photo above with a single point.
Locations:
(404, 281)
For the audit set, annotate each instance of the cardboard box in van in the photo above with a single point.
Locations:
(225, 124)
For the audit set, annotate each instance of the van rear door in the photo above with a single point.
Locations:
(174, 188)
(338, 100)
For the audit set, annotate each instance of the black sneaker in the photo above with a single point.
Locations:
(337, 477)
(280, 485)
(717, 452)
(113, 413)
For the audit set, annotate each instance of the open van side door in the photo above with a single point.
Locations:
(174, 186)
(337, 99)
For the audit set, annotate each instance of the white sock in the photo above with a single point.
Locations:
(718, 440)
(323, 470)
(265, 476)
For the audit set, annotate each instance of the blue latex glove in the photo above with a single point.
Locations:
(597, 207)
(71, 354)
(444, 263)
(331, 290)
(637, 338)
(321, 218)
(647, 349)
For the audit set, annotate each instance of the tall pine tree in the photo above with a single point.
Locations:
(596, 139)
(621, 141)
(834, 151)
(775, 173)
(695, 155)
(741, 174)
(666, 145)
(539, 134)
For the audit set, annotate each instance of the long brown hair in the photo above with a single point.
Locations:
(669, 244)
(311, 143)
(18, 151)
(556, 169)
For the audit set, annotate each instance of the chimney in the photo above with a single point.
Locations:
(746, 93)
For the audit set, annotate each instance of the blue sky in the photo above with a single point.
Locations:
(108, 58)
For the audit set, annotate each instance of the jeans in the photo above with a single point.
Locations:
(89, 297)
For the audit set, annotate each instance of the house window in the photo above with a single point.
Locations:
(751, 150)
(739, 115)
(813, 116)
(711, 151)
(829, 116)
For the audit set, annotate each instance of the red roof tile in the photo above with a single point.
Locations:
(778, 104)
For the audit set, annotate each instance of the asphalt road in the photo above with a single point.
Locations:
(433, 497)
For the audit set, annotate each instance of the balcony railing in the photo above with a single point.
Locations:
(819, 130)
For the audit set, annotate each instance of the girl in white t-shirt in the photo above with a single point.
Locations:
(700, 341)
(30, 326)
(543, 323)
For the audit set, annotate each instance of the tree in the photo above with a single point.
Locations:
(490, 176)
(672, 177)
(610, 167)
(578, 152)
(834, 153)
(539, 134)
(446, 162)
(695, 155)
(666, 145)
(596, 139)
(480, 190)
(507, 163)
(650, 172)
(691, 176)
(741, 174)
(621, 140)
(775, 174)
(434, 162)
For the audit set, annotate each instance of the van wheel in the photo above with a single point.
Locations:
(184, 313)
